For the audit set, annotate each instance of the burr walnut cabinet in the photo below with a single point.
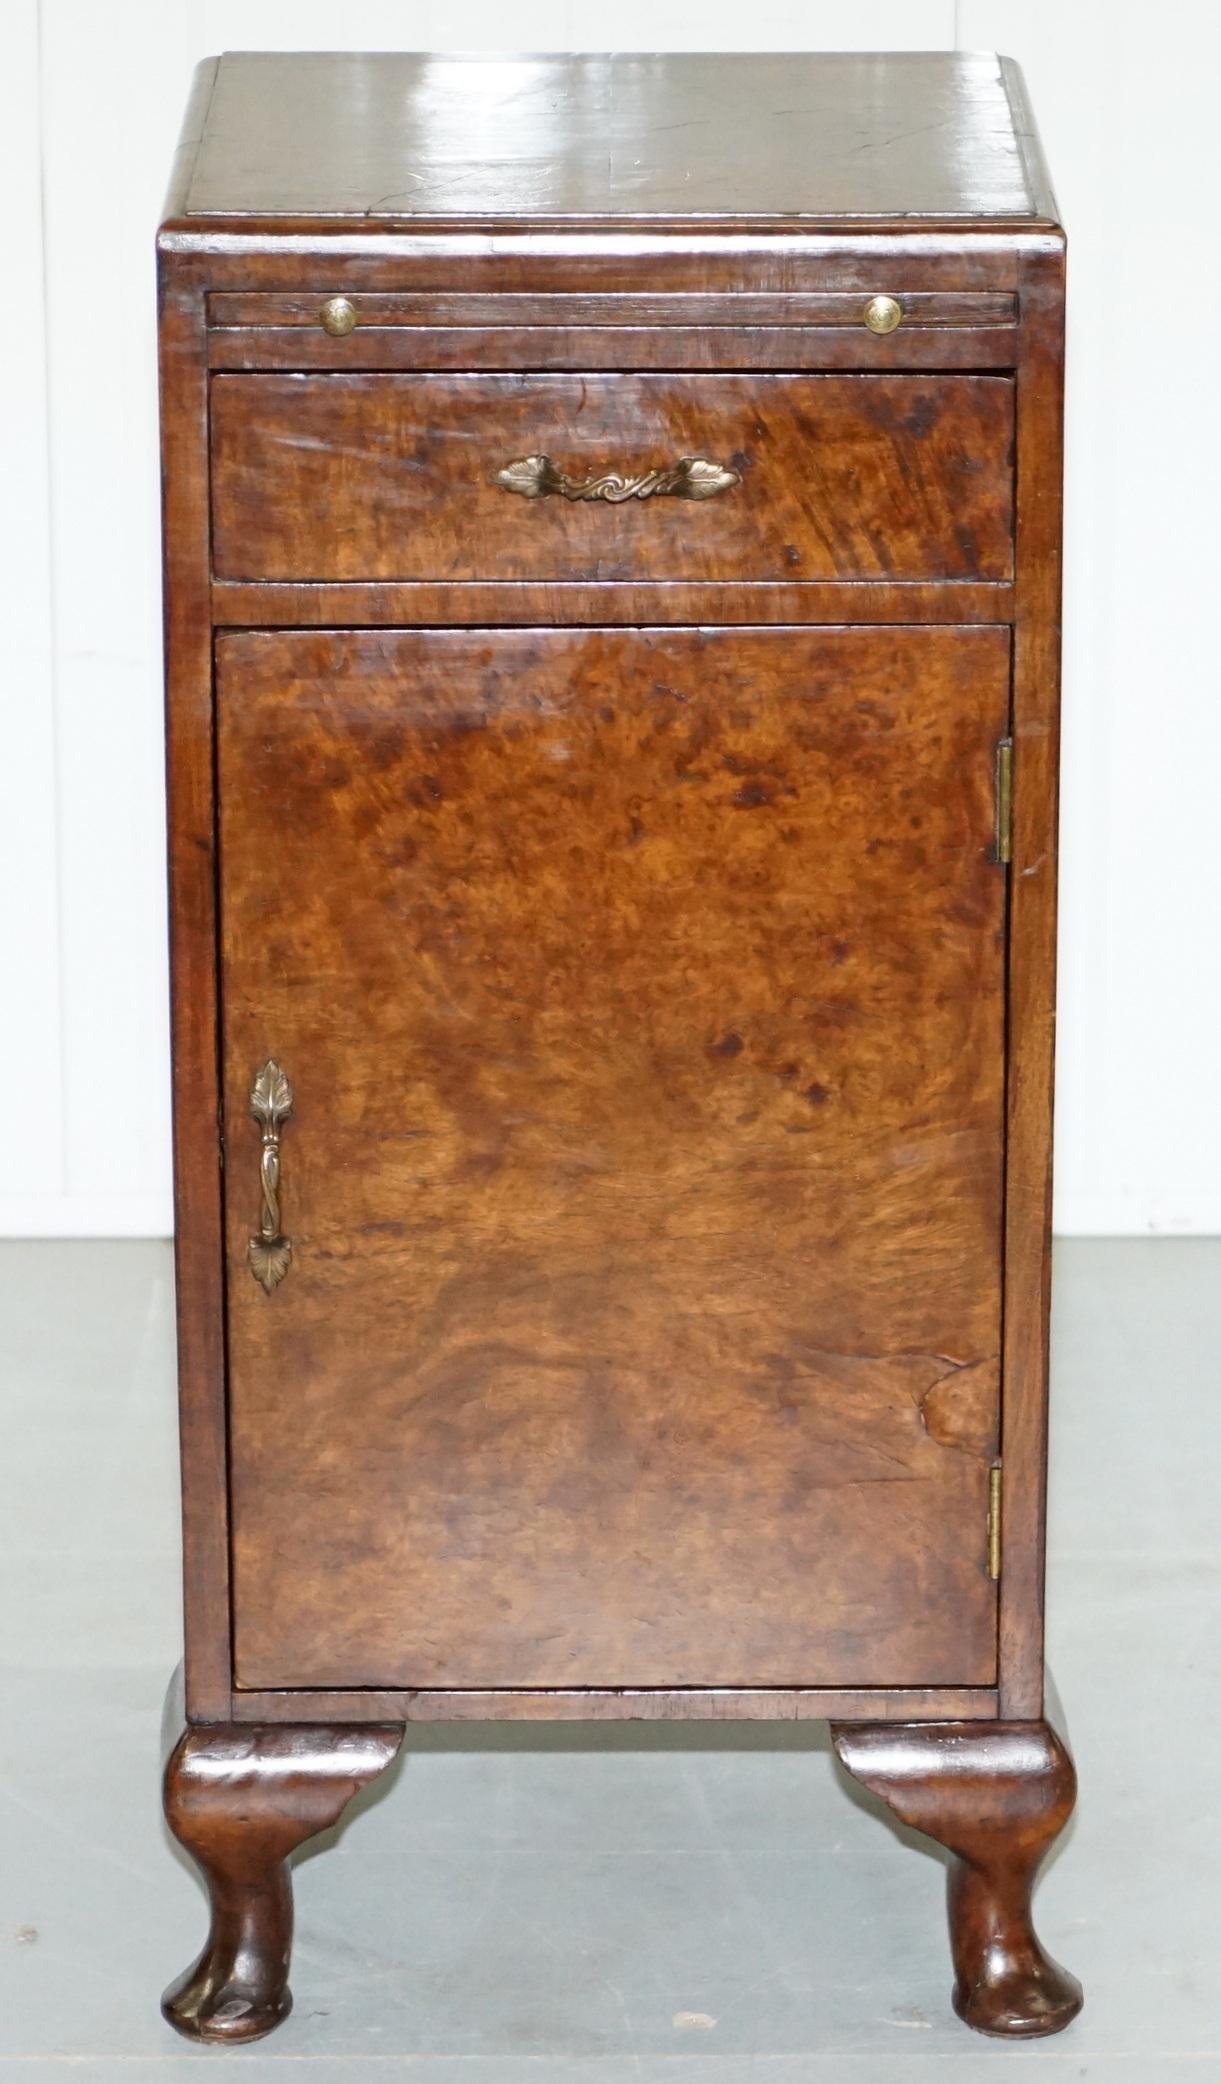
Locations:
(612, 577)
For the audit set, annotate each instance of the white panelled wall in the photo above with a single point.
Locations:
(90, 99)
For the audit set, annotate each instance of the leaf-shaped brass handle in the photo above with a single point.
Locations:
(692, 477)
(271, 1103)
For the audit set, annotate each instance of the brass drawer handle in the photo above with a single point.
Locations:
(271, 1103)
(692, 477)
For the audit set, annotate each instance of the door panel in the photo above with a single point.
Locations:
(641, 994)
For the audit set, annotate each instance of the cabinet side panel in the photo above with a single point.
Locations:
(1032, 958)
(192, 883)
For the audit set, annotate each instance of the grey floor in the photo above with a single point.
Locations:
(707, 1907)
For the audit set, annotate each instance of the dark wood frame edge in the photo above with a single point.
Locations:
(1032, 985)
(194, 983)
(619, 1704)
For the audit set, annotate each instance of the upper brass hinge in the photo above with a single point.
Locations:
(1004, 800)
(996, 1482)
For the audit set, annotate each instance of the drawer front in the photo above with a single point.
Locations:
(641, 996)
(403, 477)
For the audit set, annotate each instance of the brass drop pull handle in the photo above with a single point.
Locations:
(271, 1103)
(692, 477)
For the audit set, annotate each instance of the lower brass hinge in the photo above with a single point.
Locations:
(1004, 800)
(996, 1480)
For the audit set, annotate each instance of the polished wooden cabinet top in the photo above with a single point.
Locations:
(937, 136)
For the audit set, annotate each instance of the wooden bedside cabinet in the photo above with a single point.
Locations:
(612, 559)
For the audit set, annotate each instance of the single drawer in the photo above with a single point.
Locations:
(591, 478)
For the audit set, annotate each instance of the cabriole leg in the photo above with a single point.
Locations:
(241, 1800)
(997, 1795)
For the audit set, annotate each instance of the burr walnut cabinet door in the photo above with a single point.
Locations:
(619, 1304)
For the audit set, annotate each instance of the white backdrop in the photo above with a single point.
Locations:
(90, 99)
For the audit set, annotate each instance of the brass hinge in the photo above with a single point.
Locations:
(1004, 799)
(996, 1481)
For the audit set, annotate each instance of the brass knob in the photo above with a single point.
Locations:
(338, 316)
(882, 314)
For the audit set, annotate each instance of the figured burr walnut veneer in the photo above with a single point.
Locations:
(612, 574)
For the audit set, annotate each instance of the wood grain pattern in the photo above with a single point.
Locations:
(194, 1008)
(429, 604)
(248, 254)
(1032, 987)
(642, 995)
(997, 1797)
(394, 477)
(590, 348)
